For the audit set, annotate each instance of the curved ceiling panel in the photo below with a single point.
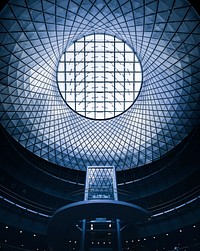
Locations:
(165, 36)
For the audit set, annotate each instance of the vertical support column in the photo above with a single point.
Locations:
(83, 236)
(116, 238)
(119, 243)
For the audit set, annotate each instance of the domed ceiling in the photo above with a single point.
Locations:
(35, 34)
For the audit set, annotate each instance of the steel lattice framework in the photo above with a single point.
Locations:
(34, 36)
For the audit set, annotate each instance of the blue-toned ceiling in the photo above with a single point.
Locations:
(165, 36)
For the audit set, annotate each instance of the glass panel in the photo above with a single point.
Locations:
(100, 183)
(100, 72)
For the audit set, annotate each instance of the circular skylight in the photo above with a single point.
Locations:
(99, 76)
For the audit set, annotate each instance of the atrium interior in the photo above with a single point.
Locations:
(100, 125)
